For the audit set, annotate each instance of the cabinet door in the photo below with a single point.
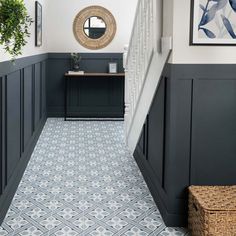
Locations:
(156, 133)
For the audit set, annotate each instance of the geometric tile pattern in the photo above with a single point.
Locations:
(81, 180)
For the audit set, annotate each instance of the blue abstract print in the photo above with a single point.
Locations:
(217, 19)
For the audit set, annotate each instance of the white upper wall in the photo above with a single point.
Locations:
(30, 48)
(185, 54)
(168, 6)
(61, 14)
(58, 17)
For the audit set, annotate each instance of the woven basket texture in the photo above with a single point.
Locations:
(212, 210)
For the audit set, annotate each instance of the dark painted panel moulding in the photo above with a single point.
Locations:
(21, 112)
(202, 71)
(85, 55)
(8, 67)
(3, 129)
(171, 218)
(41, 91)
(8, 194)
(1, 153)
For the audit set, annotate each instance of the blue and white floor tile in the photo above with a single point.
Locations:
(81, 180)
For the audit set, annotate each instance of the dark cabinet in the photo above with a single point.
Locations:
(94, 95)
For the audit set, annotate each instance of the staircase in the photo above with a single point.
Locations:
(147, 54)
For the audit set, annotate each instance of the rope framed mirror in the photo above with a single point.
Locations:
(94, 27)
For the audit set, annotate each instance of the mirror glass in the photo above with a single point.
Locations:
(94, 27)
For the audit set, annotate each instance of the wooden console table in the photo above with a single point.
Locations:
(95, 78)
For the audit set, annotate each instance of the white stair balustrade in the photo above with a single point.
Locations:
(147, 54)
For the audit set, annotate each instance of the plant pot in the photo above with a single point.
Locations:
(76, 67)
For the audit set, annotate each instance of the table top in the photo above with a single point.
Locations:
(95, 75)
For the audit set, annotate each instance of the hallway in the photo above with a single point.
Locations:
(81, 180)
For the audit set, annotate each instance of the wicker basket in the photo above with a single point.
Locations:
(212, 210)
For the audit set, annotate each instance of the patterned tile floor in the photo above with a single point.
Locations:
(81, 180)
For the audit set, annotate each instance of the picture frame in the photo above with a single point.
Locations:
(213, 23)
(112, 67)
(38, 24)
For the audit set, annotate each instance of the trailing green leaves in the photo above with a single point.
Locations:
(14, 26)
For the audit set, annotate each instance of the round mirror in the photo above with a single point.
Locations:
(94, 27)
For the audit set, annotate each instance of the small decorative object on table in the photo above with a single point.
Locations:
(212, 210)
(80, 72)
(76, 58)
(113, 67)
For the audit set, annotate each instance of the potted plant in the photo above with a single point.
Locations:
(14, 26)
(76, 58)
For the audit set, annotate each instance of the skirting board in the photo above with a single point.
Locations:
(171, 220)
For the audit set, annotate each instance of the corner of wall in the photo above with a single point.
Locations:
(168, 18)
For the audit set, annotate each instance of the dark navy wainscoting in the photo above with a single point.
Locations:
(90, 96)
(23, 114)
(189, 136)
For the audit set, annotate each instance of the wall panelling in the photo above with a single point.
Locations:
(23, 115)
(89, 97)
(189, 135)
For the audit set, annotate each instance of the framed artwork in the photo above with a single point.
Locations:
(113, 67)
(213, 22)
(38, 24)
